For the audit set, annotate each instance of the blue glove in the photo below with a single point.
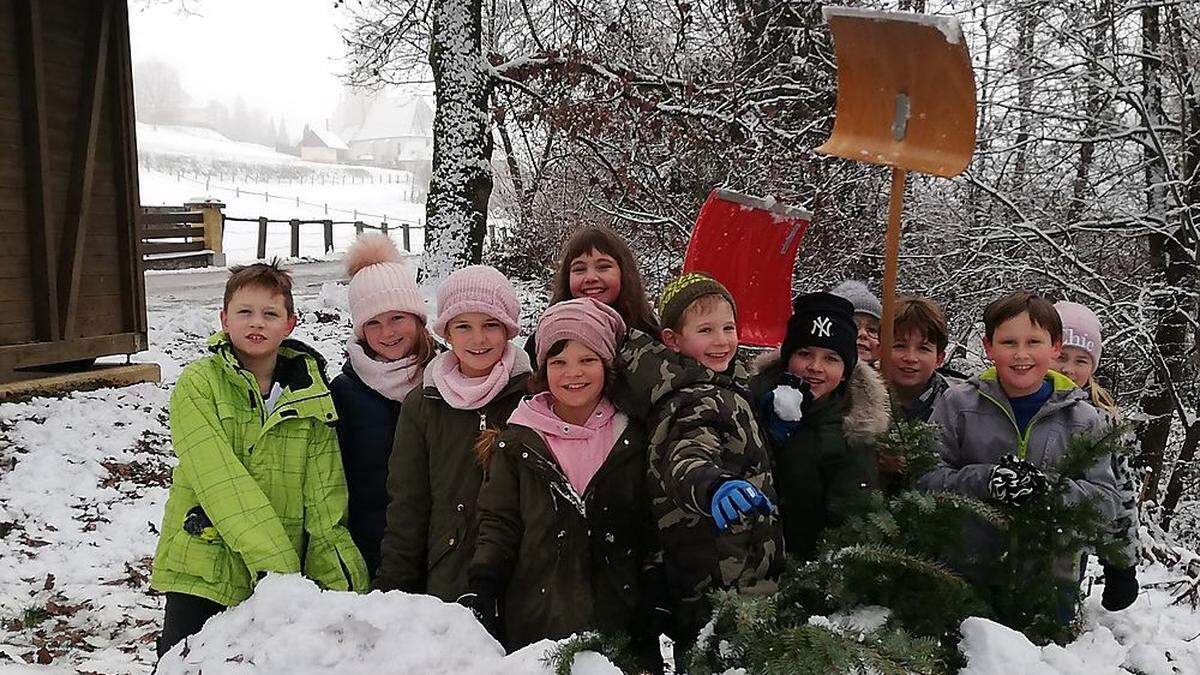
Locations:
(736, 498)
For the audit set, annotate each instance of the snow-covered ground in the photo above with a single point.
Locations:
(83, 480)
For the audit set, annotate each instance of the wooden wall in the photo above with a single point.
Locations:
(71, 285)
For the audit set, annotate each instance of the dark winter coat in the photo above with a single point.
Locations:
(433, 482)
(560, 562)
(701, 432)
(921, 408)
(826, 467)
(366, 429)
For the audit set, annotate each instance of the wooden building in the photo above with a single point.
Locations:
(71, 286)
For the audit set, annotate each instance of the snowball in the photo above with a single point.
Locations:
(788, 402)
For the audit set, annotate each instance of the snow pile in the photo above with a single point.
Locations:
(1153, 636)
(290, 626)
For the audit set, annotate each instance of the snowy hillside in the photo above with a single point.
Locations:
(181, 164)
(82, 485)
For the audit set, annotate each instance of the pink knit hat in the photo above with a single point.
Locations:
(380, 281)
(478, 288)
(1081, 329)
(598, 326)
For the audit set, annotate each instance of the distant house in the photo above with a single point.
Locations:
(395, 131)
(322, 145)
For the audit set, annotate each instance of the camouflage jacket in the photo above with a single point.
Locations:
(701, 432)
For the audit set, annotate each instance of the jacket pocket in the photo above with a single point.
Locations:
(446, 541)
(188, 554)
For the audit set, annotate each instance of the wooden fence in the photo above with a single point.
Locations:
(406, 229)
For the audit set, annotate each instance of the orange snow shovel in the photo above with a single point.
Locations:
(905, 99)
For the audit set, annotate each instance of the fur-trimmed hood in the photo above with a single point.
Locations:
(867, 406)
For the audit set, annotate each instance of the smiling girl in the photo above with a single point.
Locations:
(596, 263)
(565, 531)
(433, 475)
(386, 356)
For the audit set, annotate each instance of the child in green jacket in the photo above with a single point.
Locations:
(259, 486)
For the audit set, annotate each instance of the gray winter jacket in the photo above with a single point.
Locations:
(978, 427)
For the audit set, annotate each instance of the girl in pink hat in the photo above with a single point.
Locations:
(565, 531)
(386, 357)
(1080, 356)
(433, 474)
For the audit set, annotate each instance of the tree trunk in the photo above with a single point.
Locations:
(1094, 104)
(456, 210)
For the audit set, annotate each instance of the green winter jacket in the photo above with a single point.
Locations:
(826, 466)
(560, 562)
(701, 432)
(433, 481)
(271, 482)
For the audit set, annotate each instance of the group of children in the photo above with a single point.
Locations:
(612, 473)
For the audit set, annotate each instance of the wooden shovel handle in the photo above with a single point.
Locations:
(891, 262)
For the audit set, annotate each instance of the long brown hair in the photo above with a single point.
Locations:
(631, 302)
(1103, 399)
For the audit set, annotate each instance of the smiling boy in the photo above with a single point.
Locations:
(1004, 431)
(229, 520)
(918, 350)
(709, 471)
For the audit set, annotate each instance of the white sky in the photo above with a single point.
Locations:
(281, 56)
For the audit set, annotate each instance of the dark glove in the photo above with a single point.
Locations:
(791, 398)
(1120, 587)
(483, 605)
(1015, 481)
(736, 498)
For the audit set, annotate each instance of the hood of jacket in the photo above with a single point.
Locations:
(300, 369)
(865, 401)
(651, 372)
(1065, 392)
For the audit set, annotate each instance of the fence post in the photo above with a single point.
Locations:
(405, 231)
(262, 238)
(328, 235)
(383, 227)
(295, 225)
(214, 225)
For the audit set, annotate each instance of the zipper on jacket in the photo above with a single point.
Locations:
(1022, 438)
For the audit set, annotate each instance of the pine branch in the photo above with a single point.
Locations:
(615, 648)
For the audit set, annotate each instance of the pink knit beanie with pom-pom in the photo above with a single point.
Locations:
(380, 281)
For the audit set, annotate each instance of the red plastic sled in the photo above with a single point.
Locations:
(749, 244)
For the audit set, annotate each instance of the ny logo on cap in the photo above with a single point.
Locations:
(821, 326)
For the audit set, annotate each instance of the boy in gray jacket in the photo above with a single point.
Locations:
(1003, 431)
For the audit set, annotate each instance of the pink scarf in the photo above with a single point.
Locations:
(392, 379)
(580, 450)
(472, 393)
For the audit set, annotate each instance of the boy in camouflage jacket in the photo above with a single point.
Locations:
(709, 472)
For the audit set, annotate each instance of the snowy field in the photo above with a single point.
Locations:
(182, 164)
(83, 480)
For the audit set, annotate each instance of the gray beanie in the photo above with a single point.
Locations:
(860, 296)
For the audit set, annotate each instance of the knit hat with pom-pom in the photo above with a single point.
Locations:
(380, 281)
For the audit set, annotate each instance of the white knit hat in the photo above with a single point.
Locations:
(380, 281)
(478, 288)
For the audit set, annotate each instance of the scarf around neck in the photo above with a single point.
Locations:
(392, 379)
(472, 393)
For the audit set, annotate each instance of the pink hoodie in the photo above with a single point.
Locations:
(580, 451)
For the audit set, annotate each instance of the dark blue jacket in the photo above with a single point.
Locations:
(366, 426)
